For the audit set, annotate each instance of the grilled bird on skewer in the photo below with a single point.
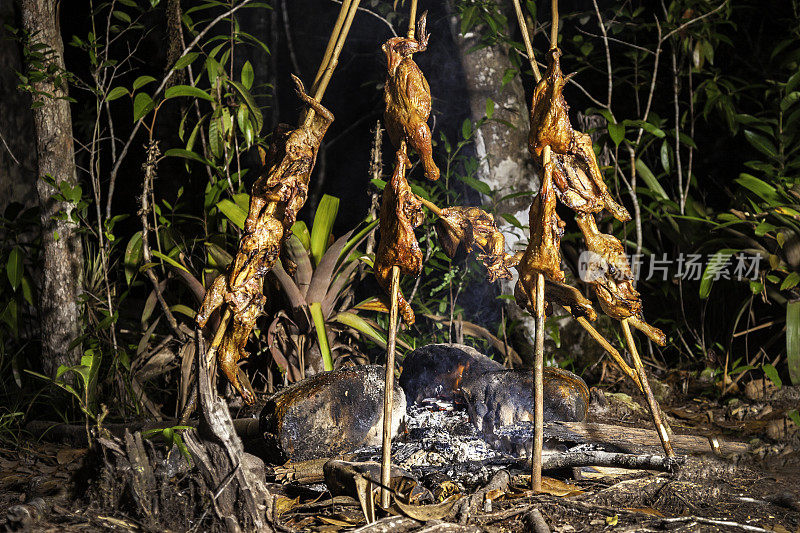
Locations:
(408, 97)
(575, 174)
(543, 256)
(471, 227)
(608, 271)
(276, 198)
(401, 212)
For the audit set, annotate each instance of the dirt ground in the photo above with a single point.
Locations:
(53, 487)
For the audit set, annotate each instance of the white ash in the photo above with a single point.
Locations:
(438, 435)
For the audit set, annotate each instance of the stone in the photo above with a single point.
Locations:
(437, 370)
(505, 397)
(329, 414)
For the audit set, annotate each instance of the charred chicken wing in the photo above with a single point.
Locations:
(472, 228)
(607, 270)
(401, 212)
(408, 98)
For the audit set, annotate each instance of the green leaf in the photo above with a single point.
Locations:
(759, 187)
(789, 100)
(478, 185)
(184, 310)
(790, 281)
(511, 219)
(255, 112)
(650, 179)
(186, 154)
(234, 213)
(616, 132)
(489, 108)
(354, 321)
(187, 90)
(772, 374)
(322, 337)
(142, 105)
(185, 61)
(169, 260)
(300, 231)
(715, 264)
(761, 143)
(14, 267)
(793, 340)
(141, 81)
(116, 92)
(133, 256)
(466, 128)
(247, 75)
(323, 222)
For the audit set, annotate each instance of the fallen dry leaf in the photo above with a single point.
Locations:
(437, 511)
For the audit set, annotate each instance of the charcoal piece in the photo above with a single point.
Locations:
(328, 414)
(505, 397)
(437, 370)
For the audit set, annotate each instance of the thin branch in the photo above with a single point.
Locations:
(608, 53)
(690, 22)
(9, 149)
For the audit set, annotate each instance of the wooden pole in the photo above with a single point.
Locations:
(538, 389)
(337, 27)
(526, 38)
(388, 392)
(331, 57)
(553, 24)
(661, 428)
(538, 365)
(412, 19)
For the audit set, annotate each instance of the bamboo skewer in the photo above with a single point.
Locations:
(391, 343)
(337, 27)
(655, 410)
(526, 38)
(388, 392)
(538, 387)
(331, 57)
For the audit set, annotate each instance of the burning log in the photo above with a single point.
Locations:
(438, 370)
(505, 397)
(329, 414)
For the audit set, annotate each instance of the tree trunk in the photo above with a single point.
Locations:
(17, 160)
(505, 164)
(62, 250)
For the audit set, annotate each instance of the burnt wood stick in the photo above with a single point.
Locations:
(388, 392)
(655, 409)
(559, 460)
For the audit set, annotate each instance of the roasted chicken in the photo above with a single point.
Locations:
(474, 228)
(408, 98)
(576, 174)
(401, 212)
(275, 199)
(607, 271)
